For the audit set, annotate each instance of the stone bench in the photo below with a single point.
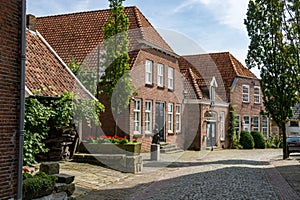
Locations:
(120, 162)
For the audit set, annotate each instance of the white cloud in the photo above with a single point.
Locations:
(230, 12)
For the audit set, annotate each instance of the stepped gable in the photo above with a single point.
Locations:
(46, 72)
(75, 35)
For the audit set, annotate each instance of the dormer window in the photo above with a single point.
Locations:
(212, 90)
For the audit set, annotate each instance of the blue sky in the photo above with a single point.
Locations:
(189, 26)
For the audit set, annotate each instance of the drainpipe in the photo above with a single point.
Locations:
(22, 101)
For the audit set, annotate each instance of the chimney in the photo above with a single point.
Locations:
(31, 22)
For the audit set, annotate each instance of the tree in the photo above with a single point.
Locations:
(273, 28)
(116, 83)
(233, 138)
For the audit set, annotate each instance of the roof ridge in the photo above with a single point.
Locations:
(83, 12)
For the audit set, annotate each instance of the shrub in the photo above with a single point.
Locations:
(259, 140)
(274, 141)
(246, 140)
(37, 185)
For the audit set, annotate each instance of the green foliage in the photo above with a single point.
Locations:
(116, 59)
(274, 141)
(259, 140)
(246, 140)
(87, 78)
(41, 114)
(273, 28)
(36, 119)
(35, 184)
(233, 138)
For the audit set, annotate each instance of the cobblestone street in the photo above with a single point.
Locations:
(222, 174)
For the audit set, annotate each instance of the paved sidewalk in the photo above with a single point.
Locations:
(91, 180)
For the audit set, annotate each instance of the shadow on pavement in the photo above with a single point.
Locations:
(224, 183)
(222, 162)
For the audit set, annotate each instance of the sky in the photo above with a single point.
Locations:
(189, 26)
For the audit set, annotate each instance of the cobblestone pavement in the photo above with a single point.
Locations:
(221, 174)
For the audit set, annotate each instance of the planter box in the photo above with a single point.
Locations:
(110, 148)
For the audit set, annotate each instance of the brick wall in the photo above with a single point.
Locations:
(10, 46)
(246, 109)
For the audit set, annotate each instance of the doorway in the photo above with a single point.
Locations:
(160, 120)
(211, 138)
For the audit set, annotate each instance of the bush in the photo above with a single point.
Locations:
(274, 141)
(259, 140)
(37, 185)
(246, 140)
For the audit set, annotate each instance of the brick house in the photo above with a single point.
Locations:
(236, 86)
(12, 45)
(50, 76)
(293, 125)
(154, 70)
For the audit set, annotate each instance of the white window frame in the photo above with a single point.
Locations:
(257, 96)
(246, 95)
(170, 78)
(148, 116)
(256, 128)
(222, 126)
(238, 124)
(149, 72)
(265, 129)
(137, 116)
(160, 75)
(178, 118)
(247, 125)
(170, 118)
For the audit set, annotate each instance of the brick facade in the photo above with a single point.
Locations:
(250, 108)
(10, 67)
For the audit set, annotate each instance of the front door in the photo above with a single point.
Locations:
(160, 120)
(211, 138)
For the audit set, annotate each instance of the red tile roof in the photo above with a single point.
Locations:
(45, 71)
(76, 35)
(224, 66)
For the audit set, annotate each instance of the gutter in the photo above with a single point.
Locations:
(22, 102)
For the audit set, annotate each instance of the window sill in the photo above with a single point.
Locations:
(246, 102)
(137, 135)
(257, 103)
(161, 87)
(171, 133)
(171, 90)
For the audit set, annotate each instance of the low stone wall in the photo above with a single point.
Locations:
(120, 162)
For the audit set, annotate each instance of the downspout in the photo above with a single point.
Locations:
(22, 101)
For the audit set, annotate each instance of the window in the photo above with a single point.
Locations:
(246, 123)
(137, 116)
(148, 117)
(255, 123)
(246, 94)
(178, 118)
(256, 94)
(294, 124)
(237, 124)
(148, 75)
(265, 126)
(222, 126)
(170, 117)
(212, 93)
(160, 75)
(170, 78)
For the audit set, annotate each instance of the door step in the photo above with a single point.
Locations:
(169, 148)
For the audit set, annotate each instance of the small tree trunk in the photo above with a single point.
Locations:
(284, 144)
